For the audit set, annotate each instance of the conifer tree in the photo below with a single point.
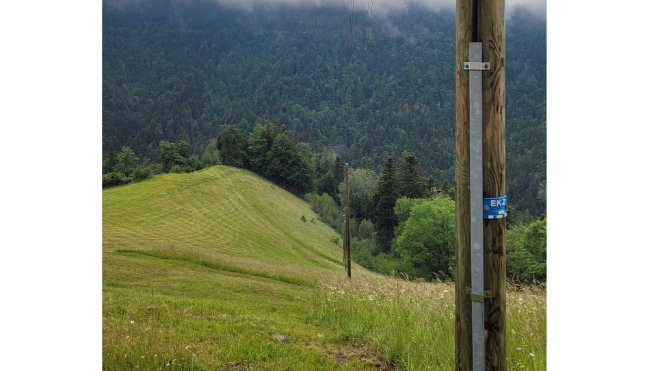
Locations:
(412, 181)
(339, 169)
(385, 198)
(110, 162)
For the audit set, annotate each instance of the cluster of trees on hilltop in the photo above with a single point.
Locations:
(172, 157)
(174, 69)
(271, 151)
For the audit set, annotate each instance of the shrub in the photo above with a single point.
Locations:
(195, 164)
(326, 208)
(178, 169)
(211, 154)
(114, 179)
(157, 168)
(526, 252)
(173, 154)
(142, 172)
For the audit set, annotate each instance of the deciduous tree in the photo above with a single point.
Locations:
(232, 146)
(427, 238)
(127, 161)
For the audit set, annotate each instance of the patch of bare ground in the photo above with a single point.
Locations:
(237, 366)
(363, 353)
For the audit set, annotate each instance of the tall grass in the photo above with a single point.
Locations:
(411, 324)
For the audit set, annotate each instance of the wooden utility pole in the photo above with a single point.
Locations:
(481, 21)
(347, 226)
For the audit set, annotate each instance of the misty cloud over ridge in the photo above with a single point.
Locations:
(382, 7)
(377, 7)
(374, 7)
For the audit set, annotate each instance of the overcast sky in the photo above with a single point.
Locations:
(384, 7)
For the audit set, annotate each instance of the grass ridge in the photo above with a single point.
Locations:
(219, 266)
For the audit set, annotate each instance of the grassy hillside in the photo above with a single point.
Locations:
(219, 269)
(226, 215)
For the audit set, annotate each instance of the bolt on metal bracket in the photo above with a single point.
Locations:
(476, 66)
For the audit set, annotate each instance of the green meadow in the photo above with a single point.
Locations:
(221, 269)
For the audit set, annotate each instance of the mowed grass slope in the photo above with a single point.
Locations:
(220, 210)
(218, 270)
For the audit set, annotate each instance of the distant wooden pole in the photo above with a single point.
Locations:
(347, 226)
(491, 33)
(344, 245)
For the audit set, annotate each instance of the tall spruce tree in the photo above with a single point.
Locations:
(339, 169)
(385, 199)
(110, 161)
(413, 183)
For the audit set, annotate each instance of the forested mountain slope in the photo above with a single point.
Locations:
(366, 85)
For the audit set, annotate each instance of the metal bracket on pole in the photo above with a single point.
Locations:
(478, 297)
(476, 66)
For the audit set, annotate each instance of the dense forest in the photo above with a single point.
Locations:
(365, 86)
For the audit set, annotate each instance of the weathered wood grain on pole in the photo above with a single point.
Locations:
(492, 35)
(463, 328)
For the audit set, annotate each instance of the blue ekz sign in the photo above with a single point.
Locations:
(495, 208)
